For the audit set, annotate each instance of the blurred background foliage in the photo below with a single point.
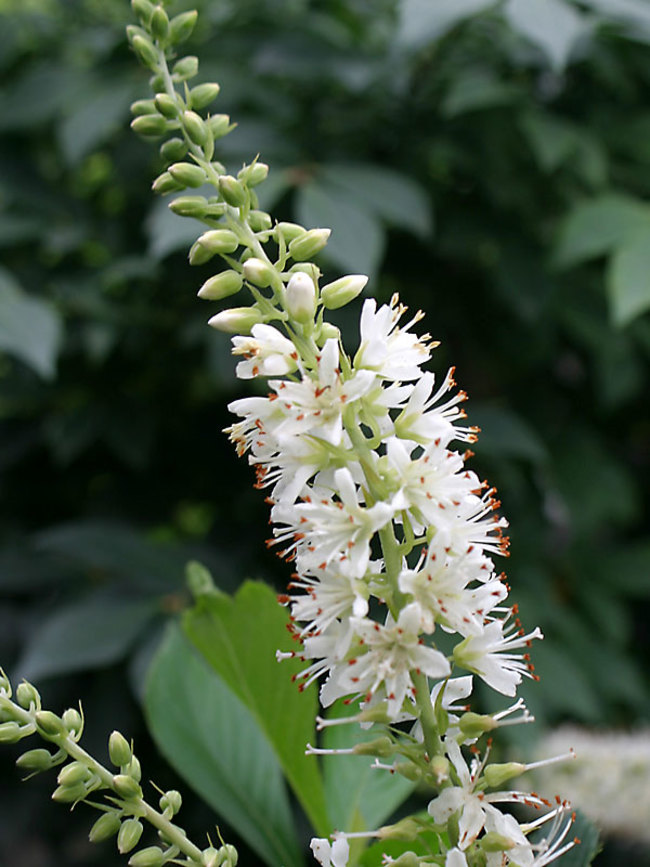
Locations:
(488, 160)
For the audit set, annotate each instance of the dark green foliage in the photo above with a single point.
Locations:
(495, 175)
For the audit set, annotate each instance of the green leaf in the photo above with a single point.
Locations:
(168, 233)
(239, 637)
(359, 797)
(476, 90)
(552, 25)
(30, 329)
(628, 278)
(210, 738)
(503, 432)
(552, 139)
(94, 116)
(598, 226)
(392, 196)
(357, 240)
(95, 632)
(421, 21)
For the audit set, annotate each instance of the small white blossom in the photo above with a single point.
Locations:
(328, 854)
(267, 352)
(393, 352)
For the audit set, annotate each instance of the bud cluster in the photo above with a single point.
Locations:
(123, 810)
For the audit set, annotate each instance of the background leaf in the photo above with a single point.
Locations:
(628, 278)
(30, 329)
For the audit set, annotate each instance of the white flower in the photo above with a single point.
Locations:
(267, 352)
(329, 594)
(489, 655)
(423, 422)
(328, 854)
(455, 858)
(392, 352)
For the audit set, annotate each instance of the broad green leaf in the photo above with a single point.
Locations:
(357, 240)
(30, 328)
(421, 21)
(392, 196)
(213, 741)
(238, 636)
(552, 139)
(554, 26)
(359, 797)
(475, 90)
(628, 279)
(167, 232)
(503, 432)
(597, 226)
(94, 116)
(89, 634)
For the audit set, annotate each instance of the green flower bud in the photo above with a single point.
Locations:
(203, 94)
(133, 769)
(259, 221)
(301, 300)
(405, 829)
(73, 721)
(187, 174)
(309, 244)
(219, 125)
(145, 51)
(237, 320)
(232, 190)
(27, 695)
(5, 685)
(221, 286)
(126, 787)
(35, 760)
(74, 773)
(290, 231)
(498, 774)
(166, 105)
(119, 750)
(173, 150)
(160, 24)
(254, 174)
(153, 856)
(171, 800)
(143, 106)
(258, 272)
(210, 857)
(129, 835)
(409, 770)
(189, 206)
(440, 768)
(106, 826)
(195, 127)
(185, 68)
(326, 332)
(473, 725)
(165, 183)
(212, 242)
(70, 794)
(228, 855)
(49, 723)
(133, 30)
(11, 732)
(143, 9)
(342, 291)
(381, 747)
(181, 26)
(149, 124)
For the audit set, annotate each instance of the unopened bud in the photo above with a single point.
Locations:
(440, 769)
(126, 787)
(35, 760)
(149, 124)
(195, 127)
(27, 695)
(221, 286)
(172, 801)
(129, 835)
(228, 855)
(73, 721)
(342, 291)
(106, 826)
(409, 770)
(187, 174)
(164, 184)
(237, 320)
(143, 9)
(166, 105)
(189, 206)
(290, 231)
(212, 242)
(219, 125)
(328, 331)
(301, 298)
(143, 106)
(203, 94)
(74, 773)
(232, 190)
(259, 221)
(185, 68)
(49, 723)
(405, 829)
(145, 51)
(258, 272)
(174, 149)
(153, 856)
(381, 746)
(181, 26)
(309, 244)
(498, 774)
(254, 174)
(210, 857)
(11, 732)
(119, 750)
(133, 769)
(160, 24)
(70, 794)
(473, 725)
